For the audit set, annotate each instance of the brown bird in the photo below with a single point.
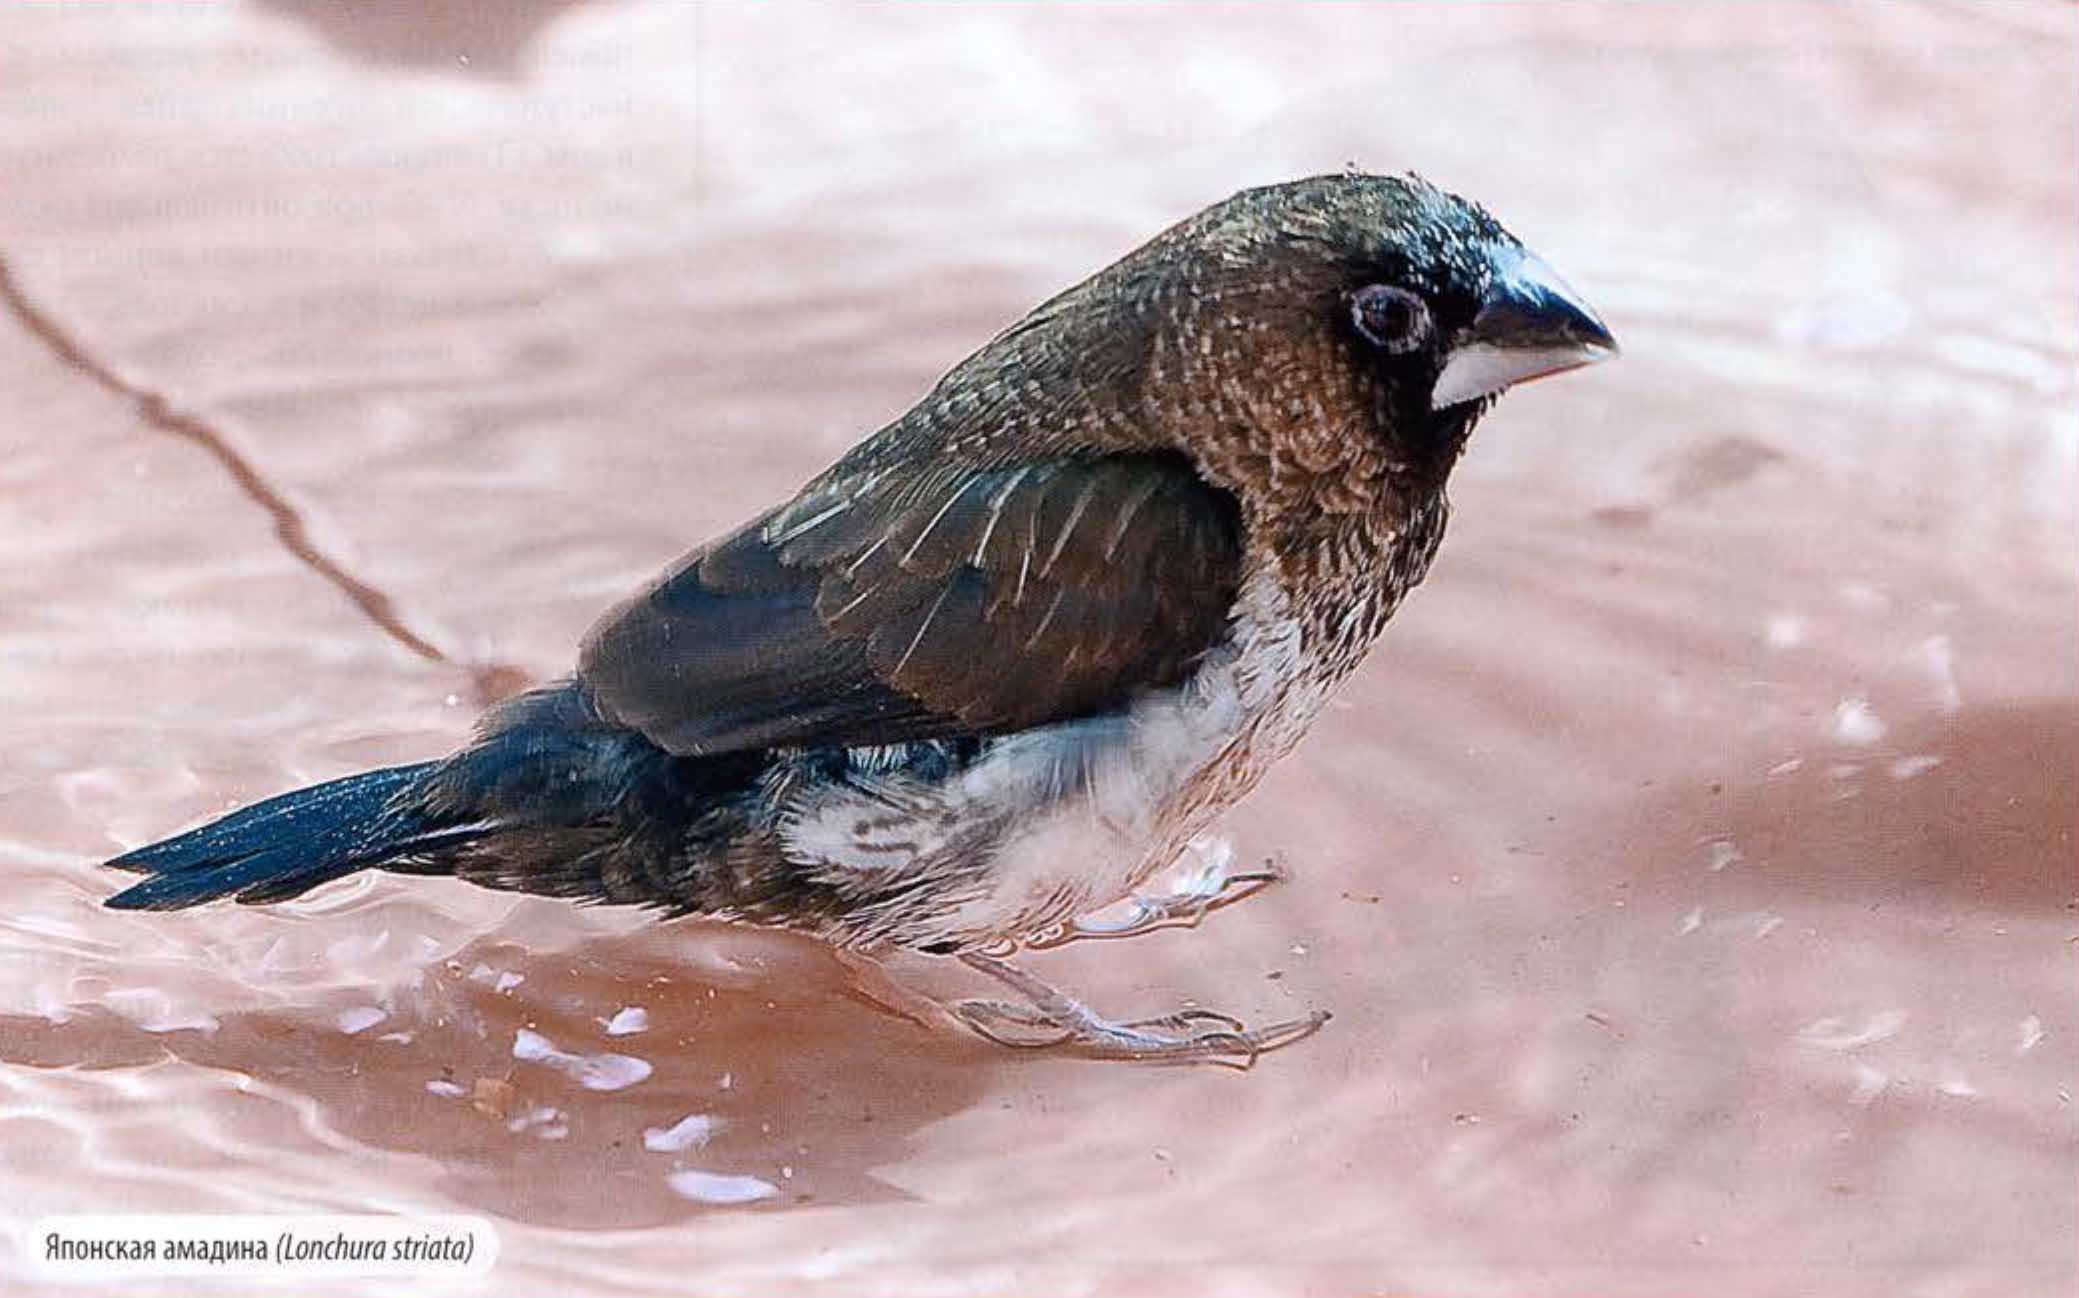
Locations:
(1006, 658)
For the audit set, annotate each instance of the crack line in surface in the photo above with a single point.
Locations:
(491, 680)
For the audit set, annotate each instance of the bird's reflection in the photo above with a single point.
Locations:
(760, 1065)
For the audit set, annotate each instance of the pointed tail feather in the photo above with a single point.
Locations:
(282, 847)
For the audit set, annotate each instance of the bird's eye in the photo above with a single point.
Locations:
(1393, 319)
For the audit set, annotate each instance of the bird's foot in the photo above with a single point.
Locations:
(1054, 1020)
(1194, 895)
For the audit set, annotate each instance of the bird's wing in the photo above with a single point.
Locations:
(882, 606)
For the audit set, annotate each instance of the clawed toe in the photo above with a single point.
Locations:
(1057, 1021)
(1279, 1035)
(1182, 1021)
(1018, 1026)
(1196, 897)
(1173, 1038)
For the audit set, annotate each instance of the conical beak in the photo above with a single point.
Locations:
(1530, 325)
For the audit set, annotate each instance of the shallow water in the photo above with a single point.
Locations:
(1690, 871)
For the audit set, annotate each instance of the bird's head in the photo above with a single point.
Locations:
(1320, 348)
(1347, 327)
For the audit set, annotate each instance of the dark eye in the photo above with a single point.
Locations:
(1394, 319)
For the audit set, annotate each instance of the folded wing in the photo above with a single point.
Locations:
(897, 603)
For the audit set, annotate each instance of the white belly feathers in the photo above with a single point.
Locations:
(1053, 822)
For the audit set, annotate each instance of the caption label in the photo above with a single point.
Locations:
(117, 1246)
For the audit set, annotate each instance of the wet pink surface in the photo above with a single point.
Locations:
(1690, 872)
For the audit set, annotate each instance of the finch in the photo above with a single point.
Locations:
(1007, 657)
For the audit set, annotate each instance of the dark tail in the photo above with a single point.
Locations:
(276, 849)
(548, 798)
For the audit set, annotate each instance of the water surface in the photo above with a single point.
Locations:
(1690, 871)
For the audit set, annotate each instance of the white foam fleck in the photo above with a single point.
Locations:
(1768, 925)
(359, 1019)
(689, 1132)
(627, 1021)
(539, 1116)
(1691, 922)
(1724, 852)
(442, 1086)
(1785, 631)
(274, 961)
(1906, 768)
(612, 1072)
(154, 1011)
(531, 1045)
(717, 1187)
(1837, 1034)
(2004, 360)
(1862, 595)
(354, 950)
(577, 244)
(1846, 323)
(51, 1006)
(1855, 723)
(1938, 658)
(1869, 1084)
(2032, 1035)
(1787, 766)
(1959, 1088)
(507, 981)
(604, 1072)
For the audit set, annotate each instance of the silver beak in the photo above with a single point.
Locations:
(1530, 325)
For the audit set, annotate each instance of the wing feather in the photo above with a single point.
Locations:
(951, 600)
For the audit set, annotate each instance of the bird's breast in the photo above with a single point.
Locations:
(1058, 820)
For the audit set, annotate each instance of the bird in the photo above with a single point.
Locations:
(1011, 655)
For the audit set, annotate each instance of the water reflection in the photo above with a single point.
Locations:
(790, 1077)
(1971, 810)
(465, 36)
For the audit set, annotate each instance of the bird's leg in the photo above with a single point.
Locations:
(1193, 896)
(1056, 1019)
